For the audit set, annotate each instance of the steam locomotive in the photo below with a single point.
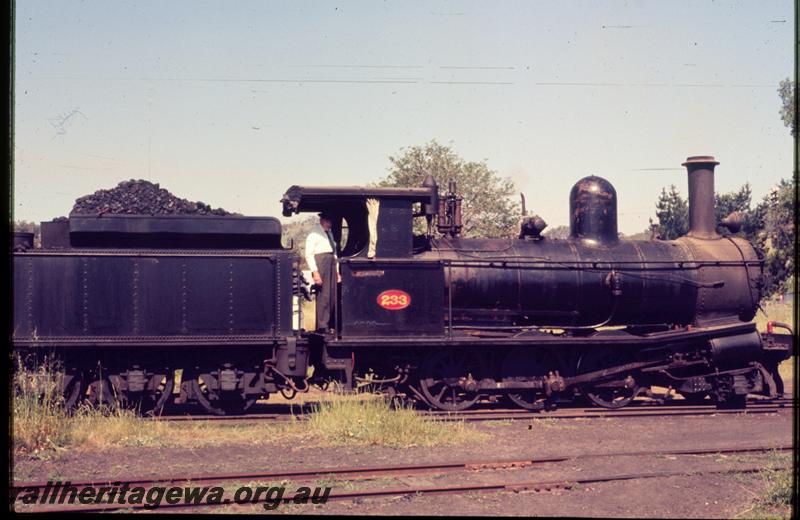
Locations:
(167, 310)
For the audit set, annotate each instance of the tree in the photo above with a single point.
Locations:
(778, 211)
(295, 233)
(557, 232)
(739, 202)
(788, 94)
(735, 201)
(672, 211)
(487, 208)
(641, 235)
(769, 226)
(778, 238)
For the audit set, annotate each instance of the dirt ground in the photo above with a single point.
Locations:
(685, 496)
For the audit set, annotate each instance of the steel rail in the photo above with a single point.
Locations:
(530, 486)
(485, 415)
(617, 415)
(411, 469)
(408, 470)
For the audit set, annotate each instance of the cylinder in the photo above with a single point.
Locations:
(702, 221)
(735, 348)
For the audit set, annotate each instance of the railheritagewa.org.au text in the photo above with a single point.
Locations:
(153, 497)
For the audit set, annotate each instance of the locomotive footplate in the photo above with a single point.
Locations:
(611, 338)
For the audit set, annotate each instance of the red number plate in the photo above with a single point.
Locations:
(394, 299)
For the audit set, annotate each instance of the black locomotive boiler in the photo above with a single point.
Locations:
(169, 310)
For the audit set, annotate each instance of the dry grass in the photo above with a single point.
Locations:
(39, 421)
(777, 495)
(334, 392)
(550, 424)
(773, 311)
(97, 429)
(786, 370)
(209, 433)
(309, 314)
(373, 421)
(778, 492)
(43, 429)
(782, 312)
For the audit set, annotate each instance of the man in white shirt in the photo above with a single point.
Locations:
(321, 259)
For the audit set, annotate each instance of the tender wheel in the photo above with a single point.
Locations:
(74, 391)
(163, 398)
(614, 392)
(101, 394)
(220, 403)
(525, 363)
(139, 402)
(439, 381)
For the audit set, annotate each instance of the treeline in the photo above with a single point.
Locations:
(769, 225)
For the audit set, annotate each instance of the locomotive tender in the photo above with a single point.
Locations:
(166, 310)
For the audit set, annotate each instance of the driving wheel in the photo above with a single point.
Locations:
(441, 377)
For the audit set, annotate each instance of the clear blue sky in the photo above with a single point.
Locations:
(232, 102)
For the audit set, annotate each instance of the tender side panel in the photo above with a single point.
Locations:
(110, 304)
(151, 295)
(164, 298)
(55, 296)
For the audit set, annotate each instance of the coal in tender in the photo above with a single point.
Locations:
(140, 197)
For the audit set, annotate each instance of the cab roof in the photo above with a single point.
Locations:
(299, 199)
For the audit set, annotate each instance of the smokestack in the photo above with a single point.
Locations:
(702, 221)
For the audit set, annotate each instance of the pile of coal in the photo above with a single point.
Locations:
(143, 198)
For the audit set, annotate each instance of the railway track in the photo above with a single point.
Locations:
(359, 474)
(638, 410)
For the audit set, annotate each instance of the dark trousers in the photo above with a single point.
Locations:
(326, 264)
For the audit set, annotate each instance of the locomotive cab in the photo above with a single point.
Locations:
(385, 289)
(368, 222)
